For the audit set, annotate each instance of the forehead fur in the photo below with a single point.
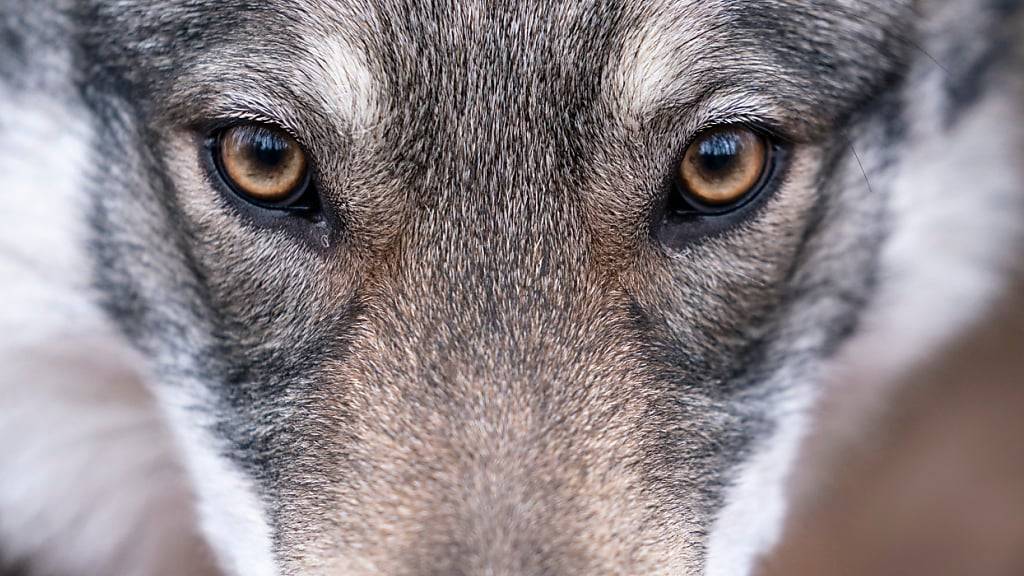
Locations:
(351, 57)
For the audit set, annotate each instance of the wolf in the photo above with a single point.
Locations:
(468, 287)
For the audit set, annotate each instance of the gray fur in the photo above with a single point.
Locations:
(488, 357)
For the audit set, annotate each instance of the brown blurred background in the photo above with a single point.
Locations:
(934, 484)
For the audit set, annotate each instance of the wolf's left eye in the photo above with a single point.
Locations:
(722, 169)
(725, 173)
(263, 165)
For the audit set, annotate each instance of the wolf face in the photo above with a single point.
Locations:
(486, 338)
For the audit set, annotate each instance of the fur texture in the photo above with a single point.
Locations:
(489, 353)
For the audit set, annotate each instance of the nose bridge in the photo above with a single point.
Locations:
(497, 290)
(497, 416)
(502, 249)
(507, 463)
(508, 509)
(484, 439)
(498, 401)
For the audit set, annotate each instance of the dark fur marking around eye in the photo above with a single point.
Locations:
(302, 213)
(966, 76)
(13, 44)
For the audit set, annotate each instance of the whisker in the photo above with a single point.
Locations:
(861, 165)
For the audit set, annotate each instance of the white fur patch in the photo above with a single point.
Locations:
(92, 481)
(89, 482)
(230, 513)
(656, 55)
(348, 88)
(958, 204)
(751, 521)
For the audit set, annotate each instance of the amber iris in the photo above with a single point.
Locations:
(723, 166)
(264, 164)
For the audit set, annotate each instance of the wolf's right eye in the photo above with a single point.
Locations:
(263, 165)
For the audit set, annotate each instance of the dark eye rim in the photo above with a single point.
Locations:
(303, 199)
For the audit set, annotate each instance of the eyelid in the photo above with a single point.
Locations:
(766, 128)
(214, 126)
(769, 127)
(209, 107)
(722, 105)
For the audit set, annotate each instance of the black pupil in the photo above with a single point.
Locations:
(718, 154)
(266, 149)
